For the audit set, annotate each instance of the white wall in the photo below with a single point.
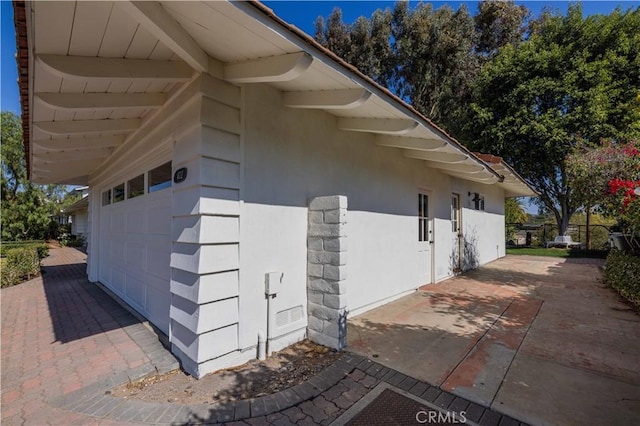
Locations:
(293, 155)
(79, 223)
(287, 157)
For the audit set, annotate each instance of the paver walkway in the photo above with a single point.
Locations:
(65, 343)
(541, 339)
(61, 334)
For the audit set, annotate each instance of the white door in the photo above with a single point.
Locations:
(135, 253)
(456, 232)
(425, 240)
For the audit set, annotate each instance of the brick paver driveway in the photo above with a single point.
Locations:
(540, 339)
(61, 334)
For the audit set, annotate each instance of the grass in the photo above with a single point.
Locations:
(557, 252)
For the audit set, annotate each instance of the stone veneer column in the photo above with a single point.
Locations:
(327, 271)
(205, 260)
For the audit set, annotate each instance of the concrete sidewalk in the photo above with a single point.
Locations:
(540, 339)
(66, 343)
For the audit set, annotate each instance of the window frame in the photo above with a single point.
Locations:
(162, 185)
(108, 193)
(423, 217)
(114, 191)
(128, 187)
(455, 212)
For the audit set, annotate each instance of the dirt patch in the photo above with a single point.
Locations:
(282, 370)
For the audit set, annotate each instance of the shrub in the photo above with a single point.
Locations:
(40, 246)
(72, 241)
(622, 272)
(21, 264)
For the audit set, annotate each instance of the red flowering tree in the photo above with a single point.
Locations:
(607, 177)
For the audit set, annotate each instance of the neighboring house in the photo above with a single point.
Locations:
(78, 213)
(229, 155)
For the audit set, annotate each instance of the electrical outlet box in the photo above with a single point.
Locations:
(272, 283)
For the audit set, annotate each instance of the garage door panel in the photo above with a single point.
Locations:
(117, 251)
(136, 251)
(158, 224)
(117, 280)
(135, 221)
(158, 307)
(118, 220)
(136, 255)
(135, 290)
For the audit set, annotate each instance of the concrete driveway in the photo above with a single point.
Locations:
(539, 339)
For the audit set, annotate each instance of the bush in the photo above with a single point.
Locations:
(40, 246)
(67, 240)
(622, 272)
(21, 264)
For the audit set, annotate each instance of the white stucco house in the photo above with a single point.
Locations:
(244, 181)
(78, 213)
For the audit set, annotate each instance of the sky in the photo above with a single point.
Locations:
(300, 13)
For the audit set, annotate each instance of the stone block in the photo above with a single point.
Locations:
(336, 273)
(330, 202)
(316, 216)
(332, 329)
(321, 285)
(335, 301)
(327, 257)
(335, 216)
(335, 244)
(323, 339)
(315, 324)
(326, 230)
(315, 297)
(314, 243)
(322, 312)
(314, 270)
(338, 287)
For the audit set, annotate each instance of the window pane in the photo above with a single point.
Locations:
(425, 206)
(160, 177)
(106, 197)
(454, 212)
(135, 187)
(118, 193)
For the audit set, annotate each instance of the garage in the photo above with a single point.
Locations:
(135, 243)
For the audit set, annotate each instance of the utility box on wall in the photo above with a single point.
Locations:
(284, 315)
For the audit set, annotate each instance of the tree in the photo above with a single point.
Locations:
(606, 176)
(574, 81)
(429, 57)
(498, 24)
(364, 44)
(27, 209)
(513, 213)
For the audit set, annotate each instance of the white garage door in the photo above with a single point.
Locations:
(135, 253)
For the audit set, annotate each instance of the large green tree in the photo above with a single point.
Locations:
(27, 209)
(430, 57)
(575, 80)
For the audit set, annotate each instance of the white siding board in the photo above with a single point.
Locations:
(142, 44)
(118, 34)
(53, 23)
(89, 24)
(161, 52)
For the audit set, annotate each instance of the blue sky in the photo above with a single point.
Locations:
(300, 13)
